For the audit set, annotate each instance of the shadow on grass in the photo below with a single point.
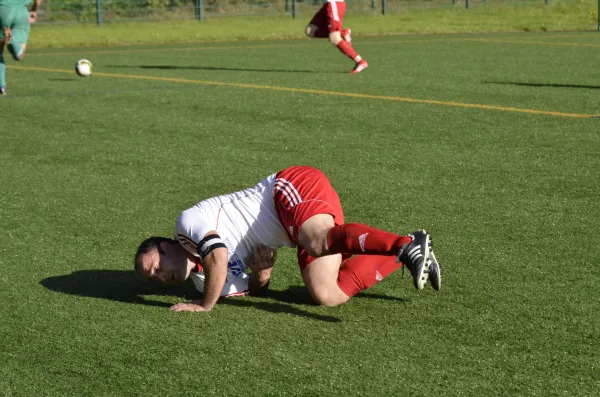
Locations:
(593, 87)
(380, 297)
(279, 308)
(299, 295)
(217, 68)
(128, 287)
(117, 285)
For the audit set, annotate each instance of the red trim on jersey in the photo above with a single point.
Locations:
(198, 268)
(234, 294)
(187, 241)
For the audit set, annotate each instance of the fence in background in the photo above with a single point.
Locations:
(101, 11)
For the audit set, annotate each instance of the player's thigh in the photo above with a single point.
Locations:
(302, 192)
(335, 15)
(20, 26)
(20, 32)
(320, 277)
(320, 20)
(312, 235)
(20, 35)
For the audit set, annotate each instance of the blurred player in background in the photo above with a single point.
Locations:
(327, 22)
(296, 207)
(15, 20)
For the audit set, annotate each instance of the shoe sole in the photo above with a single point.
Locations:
(354, 71)
(435, 272)
(421, 279)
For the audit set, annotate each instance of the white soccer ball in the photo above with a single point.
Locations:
(83, 67)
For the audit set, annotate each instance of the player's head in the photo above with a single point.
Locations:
(162, 259)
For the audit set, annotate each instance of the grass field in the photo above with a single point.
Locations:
(487, 141)
(493, 17)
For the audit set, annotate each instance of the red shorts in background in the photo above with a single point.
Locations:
(300, 193)
(330, 16)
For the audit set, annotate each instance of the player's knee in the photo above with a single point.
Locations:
(310, 30)
(335, 38)
(312, 235)
(316, 247)
(314, 240)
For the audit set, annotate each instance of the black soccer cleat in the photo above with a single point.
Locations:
(2, 91)
(415, 256)
(435, 271)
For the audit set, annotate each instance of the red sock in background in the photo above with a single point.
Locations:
(363, 271)
(347, 49)
(356, 238)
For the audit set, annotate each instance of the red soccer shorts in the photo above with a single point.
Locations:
(330, 16)
(300, 193)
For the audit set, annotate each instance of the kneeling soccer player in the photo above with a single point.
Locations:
(296, 207)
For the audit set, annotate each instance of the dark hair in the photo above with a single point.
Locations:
(148, 245)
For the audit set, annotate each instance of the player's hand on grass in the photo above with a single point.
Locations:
(193, 306)
(262, 258)
(32, 17)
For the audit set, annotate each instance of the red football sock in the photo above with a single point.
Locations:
(347, 49)
(363, 271)
(356, 238)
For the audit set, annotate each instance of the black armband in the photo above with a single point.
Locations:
(210, 243)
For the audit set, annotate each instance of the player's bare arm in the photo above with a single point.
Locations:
(261, 263)
(33, 11)
(214, 261)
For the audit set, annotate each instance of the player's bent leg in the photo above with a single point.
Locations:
(310, 30)
(321, 278)
(17, 50)
(312, 234)
(347, 35)
(346, 48)
(316, 31)
(20, 28)
(361, 272)
(356, 238)
(2, 70)
(335, 37)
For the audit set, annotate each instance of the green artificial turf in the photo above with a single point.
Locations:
(401, 19)
(508, 188)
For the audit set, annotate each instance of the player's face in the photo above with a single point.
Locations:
(166, 265)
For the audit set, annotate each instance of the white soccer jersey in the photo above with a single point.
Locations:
(234, 286)
(243, 219)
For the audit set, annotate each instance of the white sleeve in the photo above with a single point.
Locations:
(192, 225)
(234, 286)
